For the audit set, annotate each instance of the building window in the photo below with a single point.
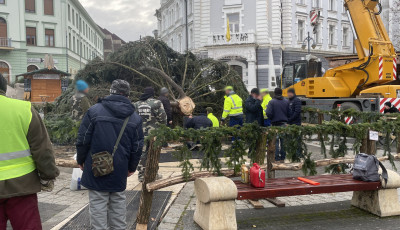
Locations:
(73, 17)
(316, 3)
(74, 45)
(331, 35)
(49, 37)
(69, 41)
(317, 38)
(69, 13)
(3, 31)
(30, 6)
(234, 22)
(331, 5)
(31, 36)
(31, 68)
(302, 2)
(345, 37)
(48, 7)
(300, 30)
(2, 1)
(77, 20)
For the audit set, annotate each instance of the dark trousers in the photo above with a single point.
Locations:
(22, 211)
(238, 120)
(280, 153)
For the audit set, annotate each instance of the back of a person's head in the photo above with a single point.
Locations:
(255, 91)
(3, 84)
(120, 87)
(278, 92)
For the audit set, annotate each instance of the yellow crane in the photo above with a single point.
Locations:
(362, 84)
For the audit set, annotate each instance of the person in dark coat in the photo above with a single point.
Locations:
(389, 108)
(198, 122)
(278, 112)
(164, 93)
(253, 108)
(294, 108)
(98, 132)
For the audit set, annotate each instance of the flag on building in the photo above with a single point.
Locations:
(228, 30)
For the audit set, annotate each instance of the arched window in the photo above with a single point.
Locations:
(3, 32)
(5, 71)
(32, 68)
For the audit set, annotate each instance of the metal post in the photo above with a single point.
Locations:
(186, 25)
(66, 49)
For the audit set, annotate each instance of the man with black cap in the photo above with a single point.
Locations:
(277, 111)
(164, 93)
(253, 108)
(110, 127)
(389, 108)
(153, 115)
(27, 164)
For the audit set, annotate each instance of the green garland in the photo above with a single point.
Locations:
(335, 132)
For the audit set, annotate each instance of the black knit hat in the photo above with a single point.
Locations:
(120, 87)
(388, 104)
(278, 91)
(3, 84)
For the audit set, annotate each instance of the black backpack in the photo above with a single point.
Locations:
(366, 168)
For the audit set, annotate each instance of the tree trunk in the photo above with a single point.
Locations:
(271, 157)
(398, 142)
(364, 145)
(260, 149)
(150, 175)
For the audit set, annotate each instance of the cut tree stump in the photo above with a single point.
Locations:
(150, 175)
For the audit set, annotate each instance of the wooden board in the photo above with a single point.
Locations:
(294, 187)
(256, 204)
(49, 88)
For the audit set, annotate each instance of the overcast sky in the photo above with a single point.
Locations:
(126, 18)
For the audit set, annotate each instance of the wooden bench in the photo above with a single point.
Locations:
(215, 196)
(293, 187)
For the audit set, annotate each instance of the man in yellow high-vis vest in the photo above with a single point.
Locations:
(27, 163)
(266, 98)
(233, 108)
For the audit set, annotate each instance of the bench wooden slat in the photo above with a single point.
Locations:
(293, 187)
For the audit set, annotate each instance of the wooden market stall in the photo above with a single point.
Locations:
(44, 85)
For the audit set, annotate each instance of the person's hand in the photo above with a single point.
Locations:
(81, 167)
(47, 185)
(170, 122)
(190, 116)
(221, 123)
(130, 174)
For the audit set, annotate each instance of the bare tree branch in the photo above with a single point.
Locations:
(179, 89)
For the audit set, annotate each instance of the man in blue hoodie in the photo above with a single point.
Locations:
(99, 132)
(278, 112)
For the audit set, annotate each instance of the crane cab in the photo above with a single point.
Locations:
(296, 72)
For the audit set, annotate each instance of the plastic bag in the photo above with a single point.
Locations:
(76, 180)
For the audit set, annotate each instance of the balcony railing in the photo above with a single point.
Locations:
(236, 38)
(5, 42)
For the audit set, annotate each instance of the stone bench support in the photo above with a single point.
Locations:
(215, 206)
(383, 202)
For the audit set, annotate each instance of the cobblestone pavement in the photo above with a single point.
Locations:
(59, 206)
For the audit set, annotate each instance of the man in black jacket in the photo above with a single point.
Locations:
(295, 115)
(198, 122)
(164, 93)
(253, 108)
(294, 108)
(98, 132)
(389, 108)
(277, 111)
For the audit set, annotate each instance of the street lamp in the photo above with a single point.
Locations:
(307, 41)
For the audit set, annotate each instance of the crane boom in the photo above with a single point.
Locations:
(373, 73)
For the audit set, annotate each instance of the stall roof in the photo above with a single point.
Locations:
(45, 71)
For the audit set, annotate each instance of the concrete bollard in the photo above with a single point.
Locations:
(215, 206)
(383, 202)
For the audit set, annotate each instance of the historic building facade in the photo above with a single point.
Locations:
(265, 34)
(30, 29)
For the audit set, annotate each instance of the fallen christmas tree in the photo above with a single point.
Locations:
(193, 81)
